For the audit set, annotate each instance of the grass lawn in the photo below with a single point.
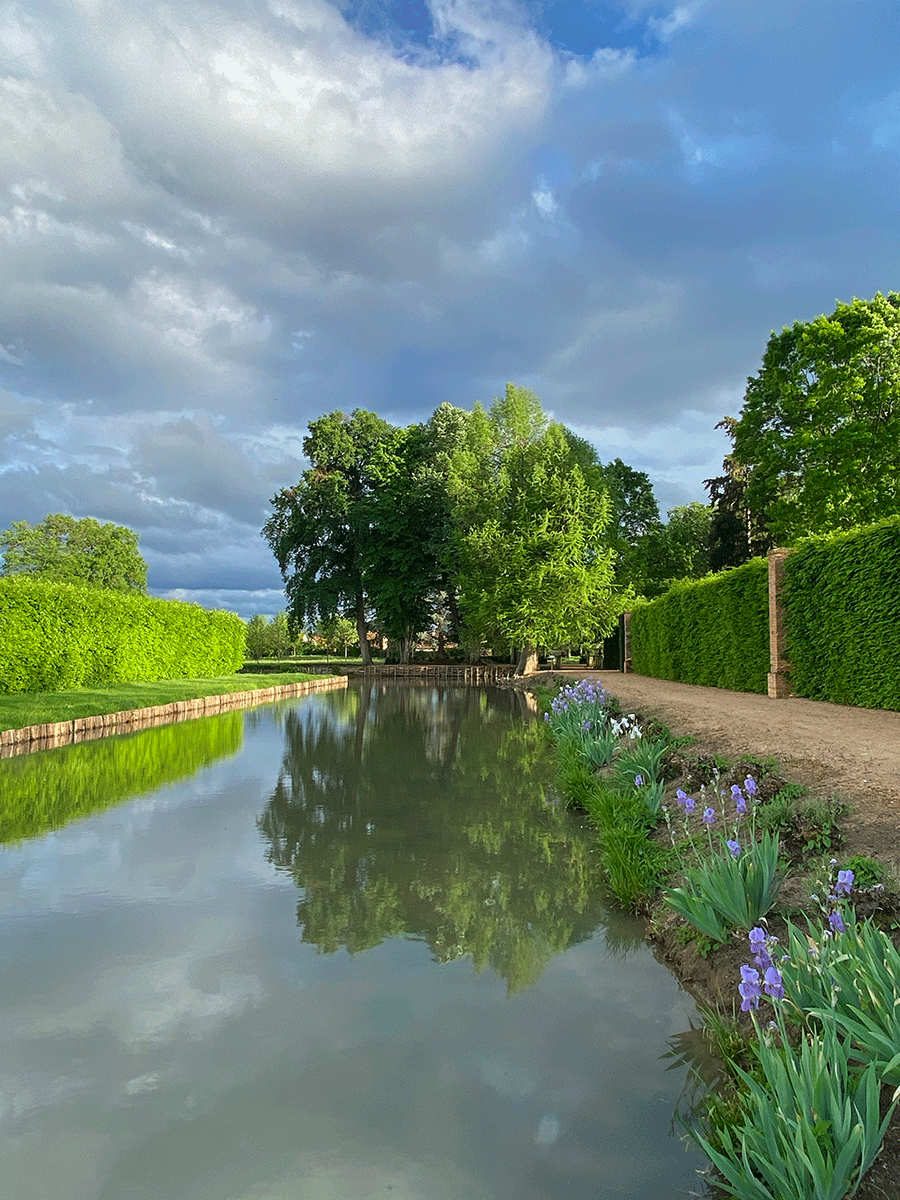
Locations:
(40, 708)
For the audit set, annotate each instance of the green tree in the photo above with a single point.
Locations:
(406, 558)
(280, 635)
(64, 549)
(677, 550)
(259, 642)
(320, 531)
(531, 562)
(337, 633)
(817, 438)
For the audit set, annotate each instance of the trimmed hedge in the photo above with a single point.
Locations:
(55, 636)
(842, 597)
(712, 631)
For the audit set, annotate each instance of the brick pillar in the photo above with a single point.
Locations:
(626, 644)
(779, 679)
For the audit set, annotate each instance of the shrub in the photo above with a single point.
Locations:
(55, 636)
(712, 631)
(843, 616)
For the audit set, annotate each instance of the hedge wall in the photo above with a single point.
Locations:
(55, 636)
(712, 631)
(842, 596)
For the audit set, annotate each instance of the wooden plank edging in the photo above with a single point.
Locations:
(65, 733)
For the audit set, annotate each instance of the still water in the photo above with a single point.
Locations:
(340, 948)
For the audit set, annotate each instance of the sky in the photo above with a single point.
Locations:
(221, 221)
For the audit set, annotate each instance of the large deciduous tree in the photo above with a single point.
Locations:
(64, 549)
(818, 438)
(320, 531)
(532, 565)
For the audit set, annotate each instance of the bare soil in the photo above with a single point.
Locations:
(833, 751)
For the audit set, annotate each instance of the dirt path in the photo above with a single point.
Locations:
(829, 748)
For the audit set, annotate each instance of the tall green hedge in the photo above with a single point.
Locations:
(55, 636)
(712, 631)
(842, 597)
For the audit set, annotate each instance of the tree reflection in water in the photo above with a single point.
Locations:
(430, 813)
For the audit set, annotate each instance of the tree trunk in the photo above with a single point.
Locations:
(528, 660)
(362, 629)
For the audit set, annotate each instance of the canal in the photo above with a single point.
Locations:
(339, 948)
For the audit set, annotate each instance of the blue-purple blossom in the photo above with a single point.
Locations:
(836, 921)
(734, 848)
(638, 781)
(689, 804)
(757, 937)
(735, 791)
(709, 816)
(760, 944)
(681, 795)
(750, 785)
(844, 883)
(740, 804)
(749, 988)
(773, 983)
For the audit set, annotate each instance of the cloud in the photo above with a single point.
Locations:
(222, 221)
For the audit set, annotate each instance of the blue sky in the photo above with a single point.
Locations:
(220, 221)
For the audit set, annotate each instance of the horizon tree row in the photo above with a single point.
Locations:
(497, 526)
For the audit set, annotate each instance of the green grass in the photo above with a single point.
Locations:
(41, 708)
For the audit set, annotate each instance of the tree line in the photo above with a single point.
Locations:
(501, 527)
(496, 527)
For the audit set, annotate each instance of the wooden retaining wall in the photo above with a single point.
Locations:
(427, 673)
(82, 729)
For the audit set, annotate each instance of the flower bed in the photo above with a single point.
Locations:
(715, 854)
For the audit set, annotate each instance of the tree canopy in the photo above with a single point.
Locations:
(816, 443)
(494, 520)
(64, 549)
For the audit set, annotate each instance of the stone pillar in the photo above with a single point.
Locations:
(626, 644)
(779, 679)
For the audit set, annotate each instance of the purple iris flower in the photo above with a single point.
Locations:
(836, 921)
(844, 883)
(638, 781)
(773, 983)
(759, 944)
(681, 795)
(734, 848)
(709, 816)
(689, 804)
(735, 791)
(749, 988)
(750, 785)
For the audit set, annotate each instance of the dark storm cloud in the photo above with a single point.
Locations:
(220, 221)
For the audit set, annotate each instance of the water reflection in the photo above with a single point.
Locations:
(168, 1032)
(389, 830)
(45, 790)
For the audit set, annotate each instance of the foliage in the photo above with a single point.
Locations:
(338, 633)
(320, 531)
(712, 632)
(843, 617)
(818, 433)
(729, 890)
(55, 636)
(532, 566)
(406, 559)
(670, 552)
(810, 1130)
(849, 974)
(61, 549)
(40, 792)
